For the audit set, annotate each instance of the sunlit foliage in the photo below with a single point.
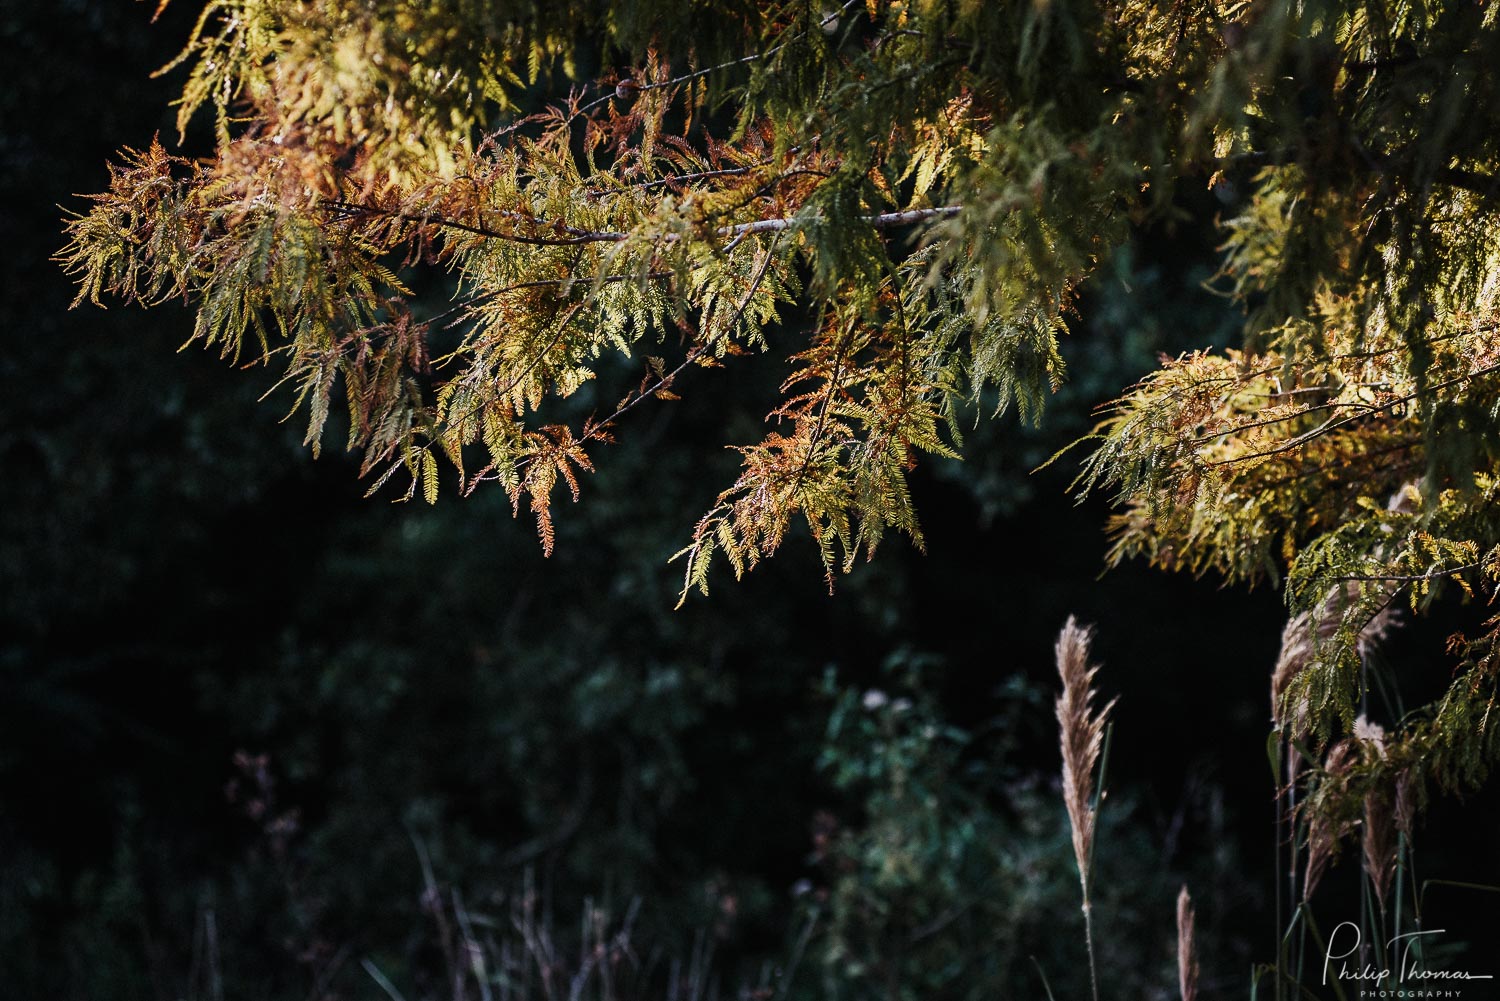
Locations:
(901, 200)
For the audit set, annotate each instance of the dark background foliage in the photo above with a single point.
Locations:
(230, 686)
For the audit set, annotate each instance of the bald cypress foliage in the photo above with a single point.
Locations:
(901, 201)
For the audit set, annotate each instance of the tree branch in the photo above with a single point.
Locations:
(885, 220)
(1474, 181)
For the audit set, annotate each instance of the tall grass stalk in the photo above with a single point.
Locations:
(1187, 959)
(1081, 732)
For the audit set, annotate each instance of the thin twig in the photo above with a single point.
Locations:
(1333, 424)
(578, 237)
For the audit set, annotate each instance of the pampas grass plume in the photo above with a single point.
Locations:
(1082, 735)
(1378, 841)
(1187, 960)
(1323, 834)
